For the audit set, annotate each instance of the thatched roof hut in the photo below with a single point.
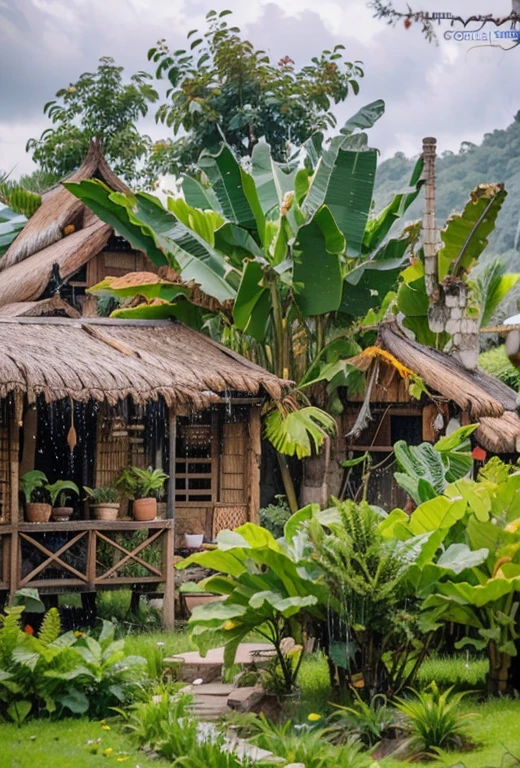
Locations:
(110, 360)
(480, 397)
(64, 236)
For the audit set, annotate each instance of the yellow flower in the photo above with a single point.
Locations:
(106, 727)
(122, 759)
(108, 751)
(314, 717)
(231, 625)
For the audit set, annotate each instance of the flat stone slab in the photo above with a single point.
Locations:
(210, 689)
(247, 653)
(245, 699)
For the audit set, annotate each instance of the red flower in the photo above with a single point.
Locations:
(479, 453)
(407, 23)
(28, 629)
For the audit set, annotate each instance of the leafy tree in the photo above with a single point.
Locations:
(98, 105)
(221, 87)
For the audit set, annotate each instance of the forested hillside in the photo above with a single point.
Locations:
(496, 159)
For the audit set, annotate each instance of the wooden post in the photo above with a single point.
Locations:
(254, 459)
(430, 242)
(169, 533)
(169, 578)
(14, 480)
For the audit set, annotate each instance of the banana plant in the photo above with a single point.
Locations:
(283, 254)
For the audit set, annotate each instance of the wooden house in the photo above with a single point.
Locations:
(137, 393)
(64, 249)
(374, 420)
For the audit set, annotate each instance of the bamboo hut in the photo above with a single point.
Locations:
(64, 249)
(136, 393)
(386, 411)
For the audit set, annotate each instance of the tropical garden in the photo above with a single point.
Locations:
(394, 633)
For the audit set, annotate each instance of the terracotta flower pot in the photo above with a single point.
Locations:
(105, 511)
(38, 513)
(61, 514)
(145, 509)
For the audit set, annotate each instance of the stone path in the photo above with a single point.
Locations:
(209, 668)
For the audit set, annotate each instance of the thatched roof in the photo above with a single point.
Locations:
(486, 399)
(63, 231)
(60, 209)
(114, 359)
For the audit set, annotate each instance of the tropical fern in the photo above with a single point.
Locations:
(50, 629)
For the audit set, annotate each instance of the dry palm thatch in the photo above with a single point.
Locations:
(27, 280)
(39, 308)
(115, 359)
(483, 397)
(60, 210)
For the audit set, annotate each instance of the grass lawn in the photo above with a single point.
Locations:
(42, 744)
(495, 731)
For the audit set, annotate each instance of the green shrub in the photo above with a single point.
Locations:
(309, 745)
(59, 674)
(274, 516)
(368, 721)
(433, 719)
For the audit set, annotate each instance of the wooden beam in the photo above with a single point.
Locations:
(254, 460)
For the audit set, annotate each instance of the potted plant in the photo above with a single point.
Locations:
(32, 487)
(144, 486)
(104, 502)
(60, 512)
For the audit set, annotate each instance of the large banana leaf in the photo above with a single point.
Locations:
(18, 199)
(159, 309)
(366, 286)
(224, 173)
(344, 182)
(364, 118)
(126, 287)
(378, 228)
(271, 180)
(317, 268)
(119, 215)
(466, 235)
(253, 302)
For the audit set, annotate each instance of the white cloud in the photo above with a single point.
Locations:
(453, 91)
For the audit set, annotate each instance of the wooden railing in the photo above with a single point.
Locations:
(88, 555)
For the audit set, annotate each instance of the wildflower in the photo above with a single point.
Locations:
(160, 645)
(314, 717)
(478, 453)
(122, 759)
(106, 727)
(28, 629)
(107, 752)
(78, 634)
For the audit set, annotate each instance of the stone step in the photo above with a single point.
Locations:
(209, 668)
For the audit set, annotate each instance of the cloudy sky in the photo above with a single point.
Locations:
(455, 91)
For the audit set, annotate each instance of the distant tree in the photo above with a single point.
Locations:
(221, 87)
(102, 105)
(384, 9)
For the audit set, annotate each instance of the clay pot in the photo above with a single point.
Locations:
(105, 511)
(61, 514)
(193, 599)
(38, 513)
(145, 509)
